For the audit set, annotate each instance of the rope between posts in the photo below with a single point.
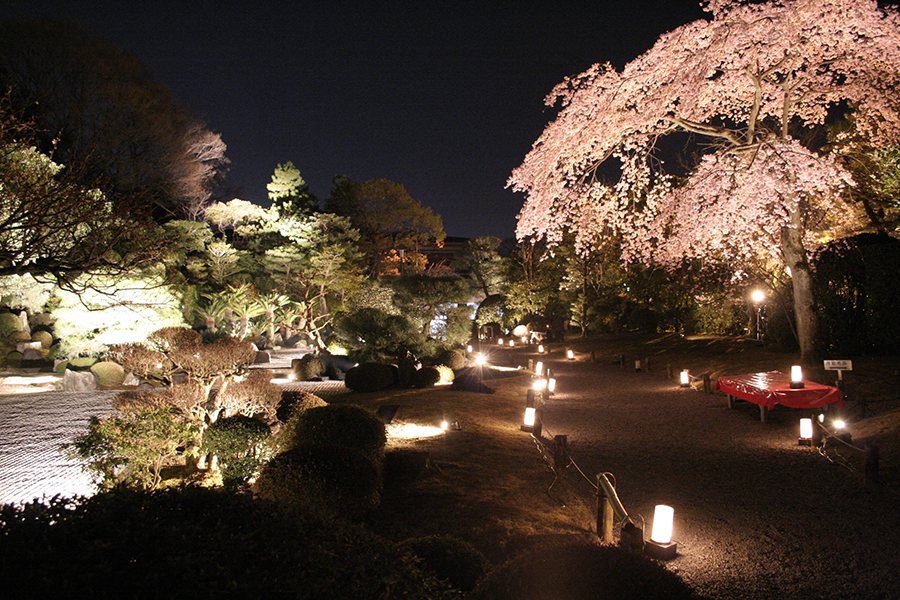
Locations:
(571, 463)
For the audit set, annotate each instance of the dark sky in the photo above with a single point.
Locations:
(443, 97)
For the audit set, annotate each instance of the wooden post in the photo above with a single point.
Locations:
(560, 453)
(707, 384)
(872, 452)
(647, 364)
(593, 356)
(669, 372)
(538, 425)
(604, 516)
(622, 360)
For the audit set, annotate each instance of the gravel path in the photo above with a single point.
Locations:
(756, 515)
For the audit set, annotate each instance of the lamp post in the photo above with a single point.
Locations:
(758, 296)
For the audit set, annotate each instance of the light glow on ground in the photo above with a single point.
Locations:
(400, 430)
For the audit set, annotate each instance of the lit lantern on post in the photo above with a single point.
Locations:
(540, 348)
(528, 422)
(512, 343)
(570, 354)
(539, 368)
(796, 377)
(499, 341)
(806, 432)
(480, 359)
(661, 546)
(469, 348)
(685, 378)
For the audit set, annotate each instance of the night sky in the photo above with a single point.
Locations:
(443, 97)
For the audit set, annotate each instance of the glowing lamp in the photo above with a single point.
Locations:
(530, 413)
(551, 385)
(529, 416)
(539, 384)
(499, 341)
(539, 368)
(796, 377)
(469, 348)
(839, 424)
(570, 354)
(540, 348)
(758, 296)
(661, 545)
(480, 359)
(445, 425)
(685, 378)
(512, 343)
(806, 432)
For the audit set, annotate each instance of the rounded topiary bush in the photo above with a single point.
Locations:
(337, 424)
(109, 374)
(454, 359)
(447, 375)
(426, 377)
(44, 337)
(239, 443)
(10, 323)
(449, 559)
(328, 480)
(370, 377)
(306, 368)
(582, 571)
(295, 402)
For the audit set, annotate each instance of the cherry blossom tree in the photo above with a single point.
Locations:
(752, 88)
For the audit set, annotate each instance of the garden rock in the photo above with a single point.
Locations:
(44, 337)
(79, 381)
(262, 358)
(131, 380)
(82, 363)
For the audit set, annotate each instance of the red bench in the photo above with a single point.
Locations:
(774, 387)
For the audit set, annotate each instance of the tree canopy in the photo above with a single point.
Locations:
(98, 106)
(755, 86)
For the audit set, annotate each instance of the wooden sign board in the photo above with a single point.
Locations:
(838, 365)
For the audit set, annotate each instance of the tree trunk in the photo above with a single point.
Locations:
(801, 279)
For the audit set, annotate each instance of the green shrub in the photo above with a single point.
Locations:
(453, 359)
(426, 377)
(10, 323)
(447, 375)
(109, 374)
(307, 367)
(132, 446)
(197, 543)
(583, 570)
(370, 377)
(44, 337)
(239, 442)
(294, 402)
(449, 559)
(335, 481)
(338, 424)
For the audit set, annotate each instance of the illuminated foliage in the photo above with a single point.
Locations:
(133, 446)
(751, 83)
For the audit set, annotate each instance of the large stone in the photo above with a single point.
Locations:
(262, 358)
(109, 374)
(79, 381)
(131, 380)
(25, 346)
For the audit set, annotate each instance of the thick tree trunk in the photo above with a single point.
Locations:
(804, 302)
